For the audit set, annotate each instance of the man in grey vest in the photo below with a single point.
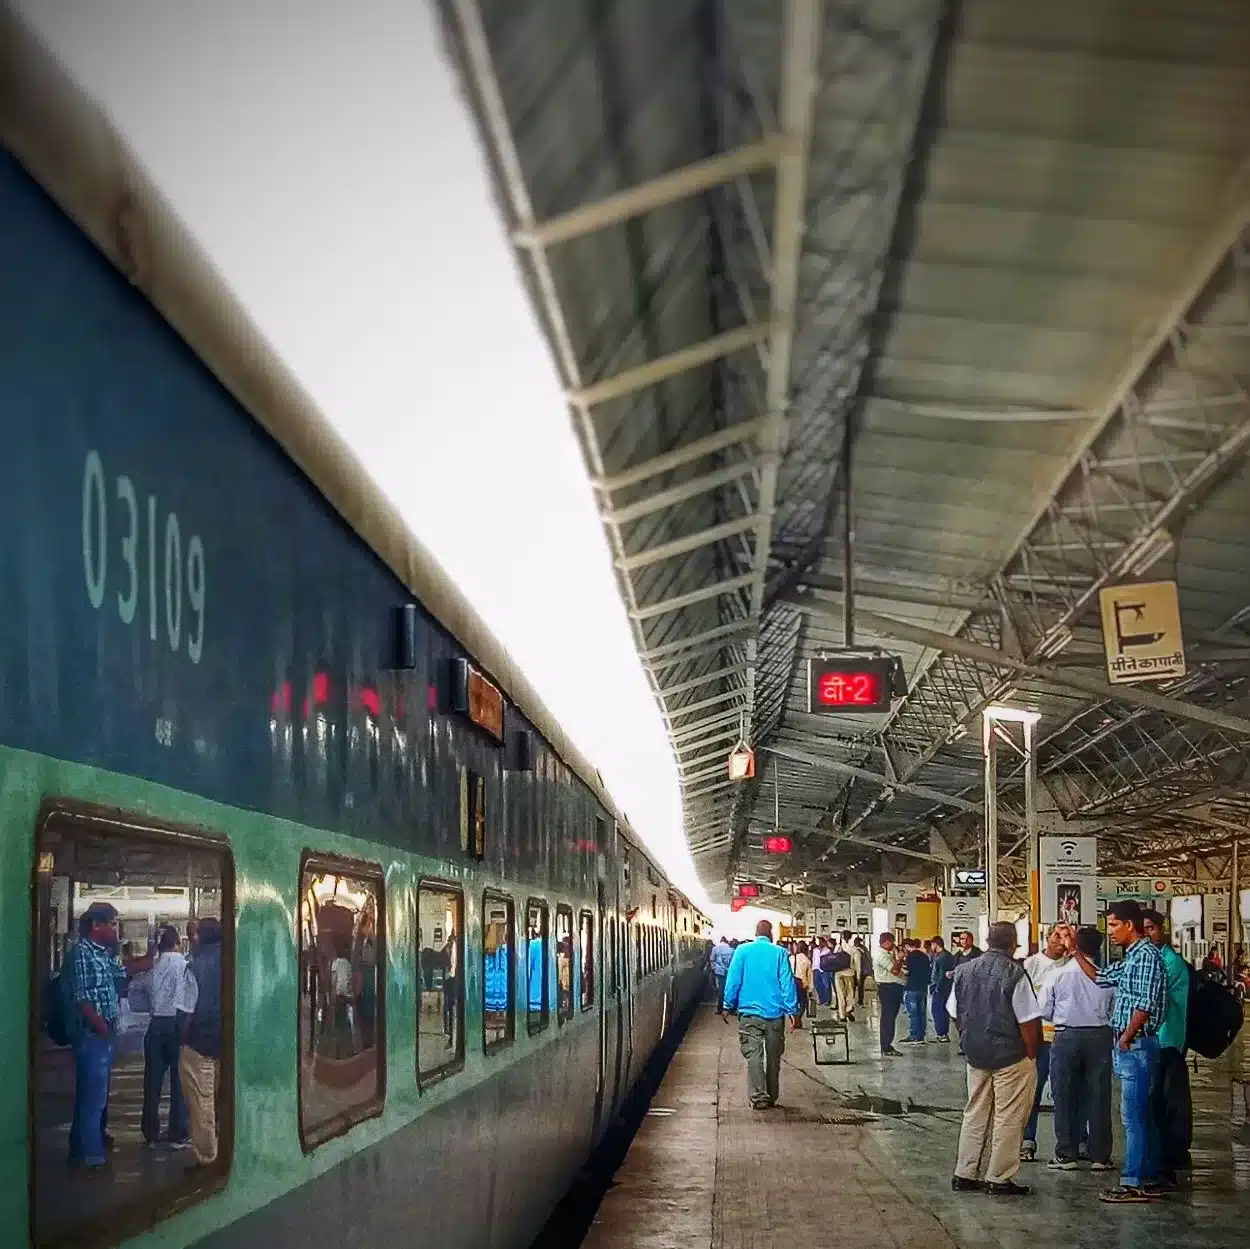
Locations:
(1000, 1025)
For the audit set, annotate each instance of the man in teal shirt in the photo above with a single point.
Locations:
(1170, 1102)
(759, 986)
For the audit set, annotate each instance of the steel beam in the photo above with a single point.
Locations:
(673, 495)
(868, 842)
(668, 188)
(726, 720)
(687, 453)
(716, 700)
(716, 674)
(689, 542)
(653, 372)
(1069, 678)
(803, 26)
(902, 787)
(677, 602)
(675, 651)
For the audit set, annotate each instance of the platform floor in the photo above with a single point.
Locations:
(861, 1156)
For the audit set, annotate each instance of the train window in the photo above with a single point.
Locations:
(564, 964)
(586, 943)
(498, 970)
(440, 1004)
(537, 932)
(638, 950)
(609, 955)
(342, 1069)
(133, 934)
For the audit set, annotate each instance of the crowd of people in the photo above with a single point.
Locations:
(1060, 1016)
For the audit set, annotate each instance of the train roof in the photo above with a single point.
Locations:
(73, 149)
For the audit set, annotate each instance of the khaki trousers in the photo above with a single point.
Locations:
(998, 1106)
(762, 1042)
(844, 982)
(199, 1088)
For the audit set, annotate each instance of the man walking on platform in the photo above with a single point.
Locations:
(1000, 1023)
(1140, 985)
(887, 971)
(845, 971)
(722, 956)
(760, 988)
(1171, 1105)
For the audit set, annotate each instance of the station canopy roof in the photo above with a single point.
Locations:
(1000, 250)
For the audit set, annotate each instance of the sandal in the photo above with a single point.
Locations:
(1126, 1195)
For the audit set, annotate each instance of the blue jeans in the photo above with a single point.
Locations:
(93, 1068)
(1043, 1074)
(941, 1017)
(1135, 1070)
(823, 982)
(913, 1000)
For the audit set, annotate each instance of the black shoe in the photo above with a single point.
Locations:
(891, 1053)
(961, 1185)
(1009, 1188)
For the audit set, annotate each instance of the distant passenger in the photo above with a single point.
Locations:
(1140, 983)
(943, 969)
(917, 969)
(887, 971)
(760, 988)
(999, 1020)
(966, 949)
(845, 973)
(822, 970)
(801, 966)
(1039, 968)
(722, 956)
(1080, 1059)
(200, 1020)
(863, 968)
(1169, 1094)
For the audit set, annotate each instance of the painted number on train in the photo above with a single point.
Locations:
(141, 556)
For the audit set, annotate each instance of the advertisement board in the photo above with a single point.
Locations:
(861, 914)
(961, 915)
(900, 902)
(841, 914)
(1069, 880)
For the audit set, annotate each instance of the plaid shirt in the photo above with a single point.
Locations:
(1140, 982)
(96, 973)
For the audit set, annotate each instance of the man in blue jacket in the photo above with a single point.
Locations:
(760, 988)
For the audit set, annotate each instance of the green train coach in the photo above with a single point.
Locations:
(232, 686)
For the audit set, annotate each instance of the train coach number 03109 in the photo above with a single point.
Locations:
(112, 526)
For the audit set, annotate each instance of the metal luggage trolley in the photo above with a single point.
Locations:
(825, 1034)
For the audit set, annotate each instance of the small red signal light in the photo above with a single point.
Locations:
(748, 890)
(778, 845)
(736, 904)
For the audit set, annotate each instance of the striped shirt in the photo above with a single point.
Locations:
(96, 972)
(1140, 983)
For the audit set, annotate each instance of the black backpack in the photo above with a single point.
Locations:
(61, 1020)
(841, 961)
(1214, 1016)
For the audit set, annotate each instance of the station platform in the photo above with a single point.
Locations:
(860, 1155)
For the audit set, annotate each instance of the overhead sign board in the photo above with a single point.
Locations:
(1136, 888)
(961, 915)
(970, 877)
(841, 914)
(1141, 630)
(847, 684)
(823, 921)
(900, 901)
(1069, 880)
(861, 914)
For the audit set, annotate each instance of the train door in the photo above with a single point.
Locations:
(601, 955)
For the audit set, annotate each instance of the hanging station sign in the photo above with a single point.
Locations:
(969, 878)
(1141, 630)
(778, 844)
(900, 901)
(960, 915)
(1136, 888)
(846, 684)
(742, 764)
(841, 914)
(861, 913)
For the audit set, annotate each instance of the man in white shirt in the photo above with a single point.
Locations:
(1080, 1061)
(161, 1044)
(887, 971)
(1039, 967)
(1000, 1025)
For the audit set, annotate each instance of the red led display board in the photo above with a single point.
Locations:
(748, 890)
(736, 904)
(847, 685)
(778, 845)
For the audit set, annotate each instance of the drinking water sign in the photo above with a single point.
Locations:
(1141, 630)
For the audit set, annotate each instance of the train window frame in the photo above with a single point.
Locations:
(586, 1002)
(544, 1015)
(565, 1015)
(72, 816)
(489, 896)
(455, 1064)
(359, 869)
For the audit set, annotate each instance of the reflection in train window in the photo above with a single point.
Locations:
(564, 964)
(440, 1004)
(131, 925)
(342, 1072)
(586, 945)
(498, 970)
(536, 931)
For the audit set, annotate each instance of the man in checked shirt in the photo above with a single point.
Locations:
(1140, 983)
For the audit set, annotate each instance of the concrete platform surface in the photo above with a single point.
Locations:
(860, 1157)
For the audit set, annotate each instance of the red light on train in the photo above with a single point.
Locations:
(778, 845)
